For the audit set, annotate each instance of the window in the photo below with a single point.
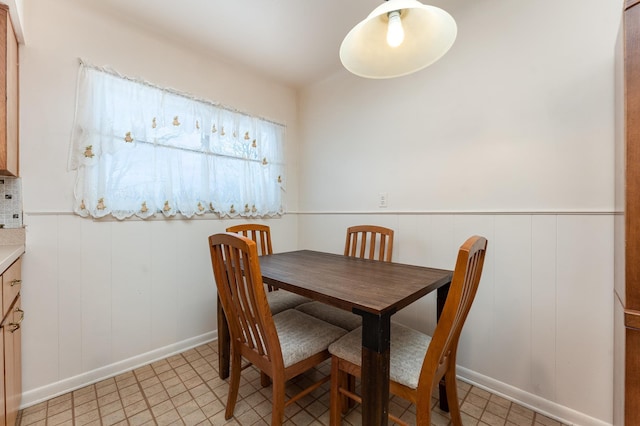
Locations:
(142, 150)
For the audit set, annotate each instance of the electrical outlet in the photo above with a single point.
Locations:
(382, 199)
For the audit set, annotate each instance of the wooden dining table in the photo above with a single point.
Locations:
(373, 289)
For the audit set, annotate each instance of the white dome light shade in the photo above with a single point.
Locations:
(429, 32)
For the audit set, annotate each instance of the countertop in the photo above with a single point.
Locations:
(12, 246)
(8, 255)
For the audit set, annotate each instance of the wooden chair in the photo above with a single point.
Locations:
(282, 345)
(369, 242)
(279, 300)
(363, 241)
(418, 362)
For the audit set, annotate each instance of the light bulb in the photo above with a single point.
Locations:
(395, 32)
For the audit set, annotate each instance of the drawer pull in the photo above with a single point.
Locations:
(16, 325)
(15, 282)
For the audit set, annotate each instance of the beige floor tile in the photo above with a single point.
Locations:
(53, 409)
(497, 409)
(113, 417)
(111, 407)
(84, 397)
(60, 418)
(30, 417)
(87, 407)
(141, 418)
(162, 408)
(185, 389)
(545, 421)
(132, 409)
(170, 417)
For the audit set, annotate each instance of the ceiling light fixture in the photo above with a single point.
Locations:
(398, 38)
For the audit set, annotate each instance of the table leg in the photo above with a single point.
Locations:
(375, 368)
(224, 343)
(442, 297)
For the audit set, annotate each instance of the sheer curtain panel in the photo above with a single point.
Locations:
(141, 150)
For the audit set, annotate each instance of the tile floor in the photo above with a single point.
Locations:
(185, 389)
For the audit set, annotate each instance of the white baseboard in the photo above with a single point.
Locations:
(35, 396)
(540, 405)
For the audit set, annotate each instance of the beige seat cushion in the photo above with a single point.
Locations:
(408, 349)
(281, 300)
(331, 314)
(302, 335)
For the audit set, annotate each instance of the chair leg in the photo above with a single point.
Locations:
(277, 413)
(335, 404)
(265, 380)
(234, 383)
(349, 382)
(452, 397)
(224, 342)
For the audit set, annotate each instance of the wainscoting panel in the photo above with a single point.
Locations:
(584, 336)
(131, 288)
(543, 306)
(97, 313)
(70, 289)
(512, 303)
(540, 330)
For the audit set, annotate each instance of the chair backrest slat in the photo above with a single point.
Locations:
(369, 242)
(462, 291)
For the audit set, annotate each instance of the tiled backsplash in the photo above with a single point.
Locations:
(10, 202)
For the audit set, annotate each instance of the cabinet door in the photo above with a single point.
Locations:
(13, 362)
(11, 284)
(3, 417)
(8, 96)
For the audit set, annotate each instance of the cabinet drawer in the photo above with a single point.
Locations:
(12, 336)
(11, 283)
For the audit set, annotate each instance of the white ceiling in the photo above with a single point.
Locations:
(293, 41)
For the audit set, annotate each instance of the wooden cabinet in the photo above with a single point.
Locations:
(8, 96)
(10, 342)
(12, 336)
(627, 226)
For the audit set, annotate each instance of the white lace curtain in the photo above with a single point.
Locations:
(139, 150)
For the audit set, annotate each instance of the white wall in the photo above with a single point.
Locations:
(517, 116)
(511, 136)
(106, 296)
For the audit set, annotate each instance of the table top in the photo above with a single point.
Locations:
(349, 282)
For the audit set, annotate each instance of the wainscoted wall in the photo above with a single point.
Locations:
(540, 330)
(105, 297)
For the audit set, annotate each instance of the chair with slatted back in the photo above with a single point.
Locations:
(418, 361)
(365, 242)
(279, 300)
(369, 242)
(283, 345)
